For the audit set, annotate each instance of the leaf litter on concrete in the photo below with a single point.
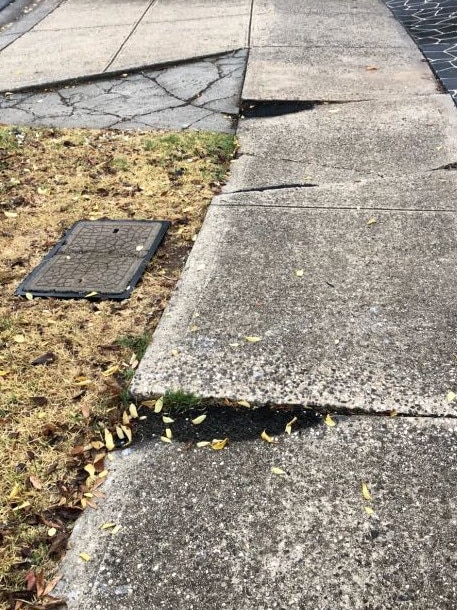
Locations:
(65, 365)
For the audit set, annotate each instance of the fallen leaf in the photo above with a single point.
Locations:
(371, 221)
(234, 344)
(46, 358)
(23, 505)
(4, 372)
(218, 444)
(371, 68)
(107, 525)
(198, 420)
(115, 530)
(450, 396)
(366, 492)
(10, 214)
(164, 439)
(109, 443)
(168, 433)
(29, 296)
(158, 405)
(167, 420)
(299, 272)
(251, 339)
(244, 403)
(120, 432)
(393, 413)
(90, 468)
(132, 410)
(52, 532)
(203, 443)
(125, 418)
(128, 433)
(81, 380)
(267, 438)
(35, 481)
(368, 510)
(174, 352)
(84, 556)
(97, 445)
(110, 370)
(290, 424)
(276, 470)
(41, 191)
(90, 294)
(19, 338)
(329, 421)
(14, 492)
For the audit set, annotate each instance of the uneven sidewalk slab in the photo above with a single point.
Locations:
(204, 529)
(390, 137)
(333, 73)
(365, 325)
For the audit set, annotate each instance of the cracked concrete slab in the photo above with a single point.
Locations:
(388, 137)
(308, 73)
(202, 529)
(198, 95)
(363, 328)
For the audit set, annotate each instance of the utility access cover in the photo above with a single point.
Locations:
(101, 258)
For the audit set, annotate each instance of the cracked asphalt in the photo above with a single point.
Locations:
(196, 95)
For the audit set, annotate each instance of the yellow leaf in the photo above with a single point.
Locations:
(276, 470)
(84, 556)
(267, 438)
(19, 338)
(120, 432)
(103, 474)
(393, 413)
(14, 492)
(115, 530)
(198, 420)
(82, 381)
(148, 403)
(132, 410)
(194, 328)
(29, 296)
(128, 433)
(290, 424)
(52, 532)
(167, 420)
(203, 444)
(329, 421)
(97, 445)
(368, 510)
(158, 405)
(218, 443)
(244, 403)
(164, 439)
(251, 339)
(450, 396)
(234, 344)
(371, 221)
(366, 492)
(168, 433)
(90, 294)
(4, 372)
(107, 525)
(10, 214)
(41, 191)
(299, 272)
(110, 370)
(90, 468)
(125, 418)
(109, 443)
(174, 352)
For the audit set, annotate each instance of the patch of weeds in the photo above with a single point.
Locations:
(137, 343)
(120, 163)
(178, 401)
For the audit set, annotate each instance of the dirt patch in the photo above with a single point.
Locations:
(65, 366)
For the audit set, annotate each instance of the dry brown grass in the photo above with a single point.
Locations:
(48, 413)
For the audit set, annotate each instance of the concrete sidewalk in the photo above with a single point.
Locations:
(323, 277)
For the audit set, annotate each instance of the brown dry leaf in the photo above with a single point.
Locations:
(35, 481)
(371, 68)
(198, 420)
(85, 411)
(217, 444)
(267, 438)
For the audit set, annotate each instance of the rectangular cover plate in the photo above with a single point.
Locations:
(106, 257)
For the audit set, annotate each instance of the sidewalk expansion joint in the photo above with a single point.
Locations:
(276, 187)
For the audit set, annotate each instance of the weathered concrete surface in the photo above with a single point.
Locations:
(367, 326)
(308, 73)
(200, 95)
(92, 38)
(375, 138)
(292, 8)
(431, 191)
(204, 529)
